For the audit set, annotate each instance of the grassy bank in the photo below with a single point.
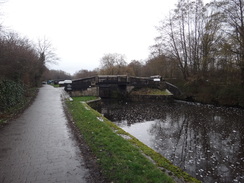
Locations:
(150, 91)
(121, 156)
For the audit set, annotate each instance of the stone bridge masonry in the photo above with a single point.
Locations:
(109, 86)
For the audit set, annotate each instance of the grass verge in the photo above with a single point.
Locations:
(55, 85)
(150, 91)
(121, 159)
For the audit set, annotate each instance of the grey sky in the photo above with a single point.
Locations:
(83, 31)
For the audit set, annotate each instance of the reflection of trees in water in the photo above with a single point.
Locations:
(202, 141)
(206, 141)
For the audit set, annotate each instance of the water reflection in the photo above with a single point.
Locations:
(205, 141)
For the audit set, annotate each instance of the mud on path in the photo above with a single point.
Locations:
(40, 146)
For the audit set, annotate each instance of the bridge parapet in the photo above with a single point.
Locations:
(139, 80)
(112, 79)
(106, 84)
(173, 89)
(83, 83)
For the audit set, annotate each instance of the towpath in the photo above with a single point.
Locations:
(39, 146)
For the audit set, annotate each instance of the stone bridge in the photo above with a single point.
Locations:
(107, 86)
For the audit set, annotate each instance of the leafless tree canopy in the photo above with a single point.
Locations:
(46, 51)
(204, 40)
(113, 64)
(195, 41)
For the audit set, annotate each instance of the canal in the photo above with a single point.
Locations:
(204, 140)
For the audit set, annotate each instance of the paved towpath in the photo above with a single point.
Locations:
(39, 147)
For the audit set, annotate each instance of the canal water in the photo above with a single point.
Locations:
(204, 140)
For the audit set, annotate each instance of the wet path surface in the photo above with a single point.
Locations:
(39, 146)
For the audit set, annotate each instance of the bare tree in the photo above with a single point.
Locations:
(175, 36)
(212, 38)
(136, 68)
(233, 11)
(46, 52)
(56, 75)
(190, 35)
(113, 64)
(83, 73)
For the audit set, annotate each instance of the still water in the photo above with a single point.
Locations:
(205, 141)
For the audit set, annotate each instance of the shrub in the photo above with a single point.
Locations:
(11, 94)
(231, 95)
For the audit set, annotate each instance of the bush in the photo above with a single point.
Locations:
(212, 93)
(11, 94)
(231, 95)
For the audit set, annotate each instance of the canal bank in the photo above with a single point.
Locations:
(121, 157)
(204, 140)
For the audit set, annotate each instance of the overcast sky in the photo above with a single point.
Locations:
(82, 31)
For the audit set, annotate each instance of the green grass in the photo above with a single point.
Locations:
(55, 85)
(121, 160)
(150, 91)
